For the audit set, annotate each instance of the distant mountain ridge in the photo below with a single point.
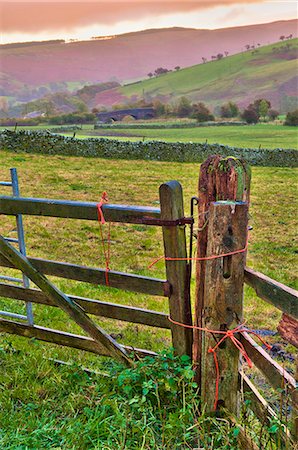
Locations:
(126, 57)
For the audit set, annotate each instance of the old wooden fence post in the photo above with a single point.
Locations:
(171, 206)
(223, 301)
(220, 179)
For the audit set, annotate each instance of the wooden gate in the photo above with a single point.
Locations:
(170, 217)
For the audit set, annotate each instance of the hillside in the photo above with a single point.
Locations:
(125, 57)
(269, 72)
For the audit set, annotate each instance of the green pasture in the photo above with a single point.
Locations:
(43, 404)
(246, 136)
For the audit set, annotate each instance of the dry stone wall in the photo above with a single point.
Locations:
(54, 144)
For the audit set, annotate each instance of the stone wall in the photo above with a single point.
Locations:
(55, 144)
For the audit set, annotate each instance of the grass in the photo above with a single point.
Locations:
(244, 76)
(247, 136)
(41, 403)
(253, 136)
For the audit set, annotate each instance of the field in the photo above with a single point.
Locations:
(30, 383)
(253, 136)
(261, 73)
(247, 136)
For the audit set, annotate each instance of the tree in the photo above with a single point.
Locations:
(159, 107)
(150, 74)
(201, 113)
(229, 109)
(282, 38)
(177, 68)
(263, 108)
(184, 107)
(204, 59)
(226, 54)
(219, 56)
(250, 115)
(292, 118)
(247, 46)
(160, 71)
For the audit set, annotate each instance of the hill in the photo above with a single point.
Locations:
(125, 57)
(269, 72)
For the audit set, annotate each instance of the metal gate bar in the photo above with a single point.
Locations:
(20, 240)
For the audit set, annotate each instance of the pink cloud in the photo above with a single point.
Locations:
(38, 16)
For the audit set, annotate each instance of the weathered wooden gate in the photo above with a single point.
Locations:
(170, 217)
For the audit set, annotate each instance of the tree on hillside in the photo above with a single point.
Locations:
(247, 46)
(177, 68)
(184, 107)
(229, 109)
(219, 56)
(150, 74)
(160, 71)
(282, 38)
(226, 53)
(204, 59)
(201, 113)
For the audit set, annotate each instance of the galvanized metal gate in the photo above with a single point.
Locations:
(20, 241)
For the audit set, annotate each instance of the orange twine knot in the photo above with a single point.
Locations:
(106, 248)
(230, 334)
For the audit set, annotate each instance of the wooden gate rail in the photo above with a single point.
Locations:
(259, 405)
(62, 338)
(95, 307)
(120, 280)
(76, 210)
(282, 297)
(274, 372)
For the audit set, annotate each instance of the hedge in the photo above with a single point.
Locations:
(55, 144)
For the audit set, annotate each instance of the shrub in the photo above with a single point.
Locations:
(184, 108)
(202, 113)
(72, 118)
(273, 114)
(292, 118)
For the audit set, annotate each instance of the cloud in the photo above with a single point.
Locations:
(37, 16)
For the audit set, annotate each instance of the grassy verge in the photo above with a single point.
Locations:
(52, 404)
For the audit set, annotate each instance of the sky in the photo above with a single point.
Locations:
(53, 19)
